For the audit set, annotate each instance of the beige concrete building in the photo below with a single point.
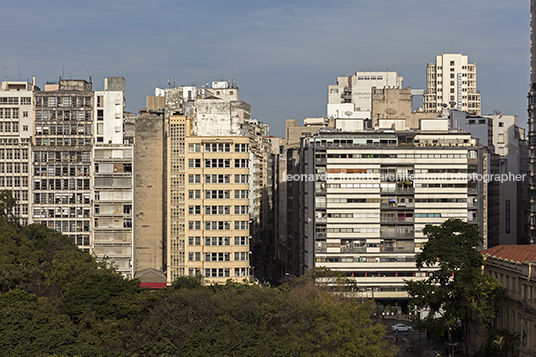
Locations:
(215, 176)
(451, 82)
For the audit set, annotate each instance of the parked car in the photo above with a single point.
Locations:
(401, 328)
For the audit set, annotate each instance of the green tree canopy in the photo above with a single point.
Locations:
(458, 290)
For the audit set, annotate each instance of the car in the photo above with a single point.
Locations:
(401, 328)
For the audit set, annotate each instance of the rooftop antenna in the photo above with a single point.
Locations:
(19, 69)
(196, 75)
(5, 75)
(118, 66)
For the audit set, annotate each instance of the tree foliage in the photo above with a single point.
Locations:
(458, 290)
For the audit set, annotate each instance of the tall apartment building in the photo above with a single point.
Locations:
(451, 82)
(532, 128)
(351, 96)
(82, 171)
(16, 112)
(368, 195)
(215, 161)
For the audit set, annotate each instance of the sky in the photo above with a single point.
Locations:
(283, 54)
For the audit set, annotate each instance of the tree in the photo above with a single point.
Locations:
(7, 203)
(458, 291)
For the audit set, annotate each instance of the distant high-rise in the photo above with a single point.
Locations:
(451, 82)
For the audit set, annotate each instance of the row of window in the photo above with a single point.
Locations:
(218, 225)
(61, 212)
(61, 170)
(14, 181)
(226, 178)
(13, 154)
(219, 272)
(11, 127)
(66, 226)
(12, 113)
(218, 194)
(15, 100)
(63, 115)
(62, 101)
(63, 141)
(60, 184)
(218, 163)
(218, 147)
(218, 257)
(218, 210)
(60, 156)
(13, 167)
(65, 129)
(61, 198)
(217, 241)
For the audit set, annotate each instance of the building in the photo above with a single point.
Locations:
(532, 129)
(366, 196)
(451, 82)
(214, 210)
(514, 267)
(82, 169)
(16, 128)
(351, 96)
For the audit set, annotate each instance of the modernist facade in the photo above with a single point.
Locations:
(366, 197)
(16, 128)
(81, 171)
(451, 82)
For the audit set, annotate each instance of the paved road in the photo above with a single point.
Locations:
(419, 345)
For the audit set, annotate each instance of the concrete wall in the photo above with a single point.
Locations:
(149, 192)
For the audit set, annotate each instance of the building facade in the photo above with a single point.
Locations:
(366, 197)
(16, 128)
(451, 82)
(532, 129)
(514, 267)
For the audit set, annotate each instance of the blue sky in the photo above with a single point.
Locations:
(283, 54)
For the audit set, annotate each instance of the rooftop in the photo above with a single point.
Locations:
(516, 253)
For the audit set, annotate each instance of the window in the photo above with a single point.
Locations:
(241, 163)
(194, 256)
(241, 271)
(241, 256)
(241, 225)
(217, 210)
(194, 209)
(194, 194)
(217, 178)
(501, 124)
(217, 273)
(194, 163)
(217, 240)
(241, 147)
(217, 194)
(241, 209)
(193, 147)
(217, 163)
(194, 240)
(241, 194)
(218, 226)
(194, 271)
(217, 147)
(194, 225)
(241, 178)
(217, 257)
(241, 241)
(194, 178)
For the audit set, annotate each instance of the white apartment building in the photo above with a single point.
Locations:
(16, 113)
(351, 96)
(364, 214)
(451, 82)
